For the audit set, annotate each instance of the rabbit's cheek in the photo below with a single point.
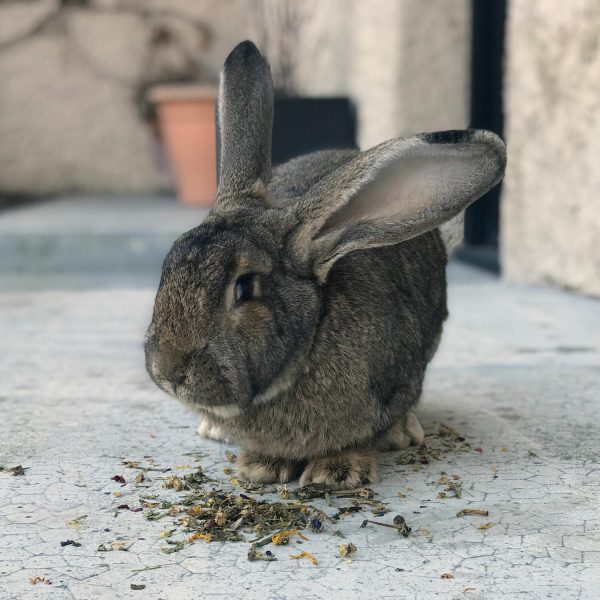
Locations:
(253, 318)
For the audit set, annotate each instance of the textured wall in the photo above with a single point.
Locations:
(551, 197)
(68, 123)
(412, 66)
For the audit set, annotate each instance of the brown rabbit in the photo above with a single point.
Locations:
(299, 318)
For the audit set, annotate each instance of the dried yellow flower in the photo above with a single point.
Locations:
(200, 536)
(283, 537)
(347, 550)
(472, 511)
(174, 482)
(306, 555)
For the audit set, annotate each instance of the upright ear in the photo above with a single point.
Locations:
(393, 192)
(245, 122)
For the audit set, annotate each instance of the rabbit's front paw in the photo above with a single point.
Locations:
(210, 430)
(261, 469)
(402, 435)
(347, 469)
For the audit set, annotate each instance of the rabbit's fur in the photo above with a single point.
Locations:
(322, 362)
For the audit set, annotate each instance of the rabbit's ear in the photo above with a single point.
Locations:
(395, 191)
(245, 122)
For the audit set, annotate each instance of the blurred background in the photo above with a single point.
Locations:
(107, 115)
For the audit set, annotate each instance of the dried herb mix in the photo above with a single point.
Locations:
(203, 511)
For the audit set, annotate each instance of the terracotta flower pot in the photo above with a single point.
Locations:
(187, 122)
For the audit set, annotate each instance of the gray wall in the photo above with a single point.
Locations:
(68, 123)
(551, 199)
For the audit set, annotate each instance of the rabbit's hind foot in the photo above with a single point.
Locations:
(261, 469)
(343, 470)
(402, 435)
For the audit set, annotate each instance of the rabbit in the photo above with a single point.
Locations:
(300, 316)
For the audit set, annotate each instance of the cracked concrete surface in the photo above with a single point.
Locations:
(517, 375)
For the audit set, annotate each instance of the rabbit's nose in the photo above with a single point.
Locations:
(171, 363)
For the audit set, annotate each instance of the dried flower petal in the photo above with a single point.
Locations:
(347, 550)
(306, 555)
(200, 536)
(37, 579)
(283, 537)
(472, 511)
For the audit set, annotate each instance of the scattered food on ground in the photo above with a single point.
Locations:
(16, 471)
(306, 555)
(472, 511)
(207, 537)
(402, 526)
(434, 447)
(452, 486)
(283, 537)
(173, 547)
(34, 580)
(199, 507)
(146, 569)
(347, 550)
(255, 554)
(118, 544)
(399, 525)
(76, 522)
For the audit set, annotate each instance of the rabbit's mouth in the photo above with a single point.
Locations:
(205, 400)
(280, 384)
(213, 394)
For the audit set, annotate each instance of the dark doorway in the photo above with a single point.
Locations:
(487, 56)
(303, 125)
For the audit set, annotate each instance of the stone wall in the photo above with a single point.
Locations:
(551, 197)
(68, 119)
(68, 122)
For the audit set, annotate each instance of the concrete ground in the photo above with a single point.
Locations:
(517, 376)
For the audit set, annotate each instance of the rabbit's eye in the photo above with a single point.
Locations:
(245, 288)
